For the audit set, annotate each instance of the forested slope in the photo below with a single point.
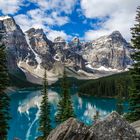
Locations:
(106, 86)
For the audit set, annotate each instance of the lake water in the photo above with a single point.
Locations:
(25, 110)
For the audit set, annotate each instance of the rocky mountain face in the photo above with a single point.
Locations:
(41, 48)
(15, 42)
(32, 51)
(75, 44)
(111, 128)
(109, 51)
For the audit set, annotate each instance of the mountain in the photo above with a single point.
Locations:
(113, 127)
(32, 51)
(15, 42)
(110, 51)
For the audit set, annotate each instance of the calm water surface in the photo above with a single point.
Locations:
(25, 110)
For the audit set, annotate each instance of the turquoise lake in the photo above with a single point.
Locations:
(25, 110)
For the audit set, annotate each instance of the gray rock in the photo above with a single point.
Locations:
(136, 125)
(75, 45)
(112, 127)
(67, 55)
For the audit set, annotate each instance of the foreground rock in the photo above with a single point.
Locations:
(136, 125)
(111, 128)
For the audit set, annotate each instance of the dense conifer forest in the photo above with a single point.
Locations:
(106, 86)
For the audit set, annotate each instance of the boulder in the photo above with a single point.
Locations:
(113, 127)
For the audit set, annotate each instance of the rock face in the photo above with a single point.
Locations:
(109, 51)
(111, 128)
(15, 42)
(41, 47)
(75, 44)
(32, 51)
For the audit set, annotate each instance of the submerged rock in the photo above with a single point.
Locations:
(112, 127)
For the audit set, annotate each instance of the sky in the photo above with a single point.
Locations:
(86, 19)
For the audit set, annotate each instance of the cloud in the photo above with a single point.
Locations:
(121, 15)
(99, 8)
(94, 34)
(26, 22)
(52, 34)
(23, 21)
(65, 6)
(10, 6)
(47, 13)
(50, 19)
(39, 19)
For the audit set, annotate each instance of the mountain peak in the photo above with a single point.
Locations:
(5, 17)
(75, 39)
(116, 34)
(34, 30)
(8, 23)
(59, 39)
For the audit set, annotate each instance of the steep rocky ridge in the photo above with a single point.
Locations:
(15, 42)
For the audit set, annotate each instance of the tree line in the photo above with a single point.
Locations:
(107, 86)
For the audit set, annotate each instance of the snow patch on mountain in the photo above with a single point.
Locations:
(4, 17)
(38, 59)
(57, 57)
(102, 68)
(89, 66)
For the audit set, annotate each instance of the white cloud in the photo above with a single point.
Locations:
(39, 19)
(94, 34)
(26, 22)
(10, 6)
(52, 34)
(121, 16)
(49, 13)
(65, 6)
(23, 21)
(59, 20)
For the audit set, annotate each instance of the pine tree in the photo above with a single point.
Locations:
(134, 99)
(120, 89)
(44, 119)
(65, 108)
(96, 117)
(4, 98)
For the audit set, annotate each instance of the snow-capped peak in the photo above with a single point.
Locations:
(4, 17)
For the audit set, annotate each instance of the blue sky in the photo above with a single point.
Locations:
(87, 19)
